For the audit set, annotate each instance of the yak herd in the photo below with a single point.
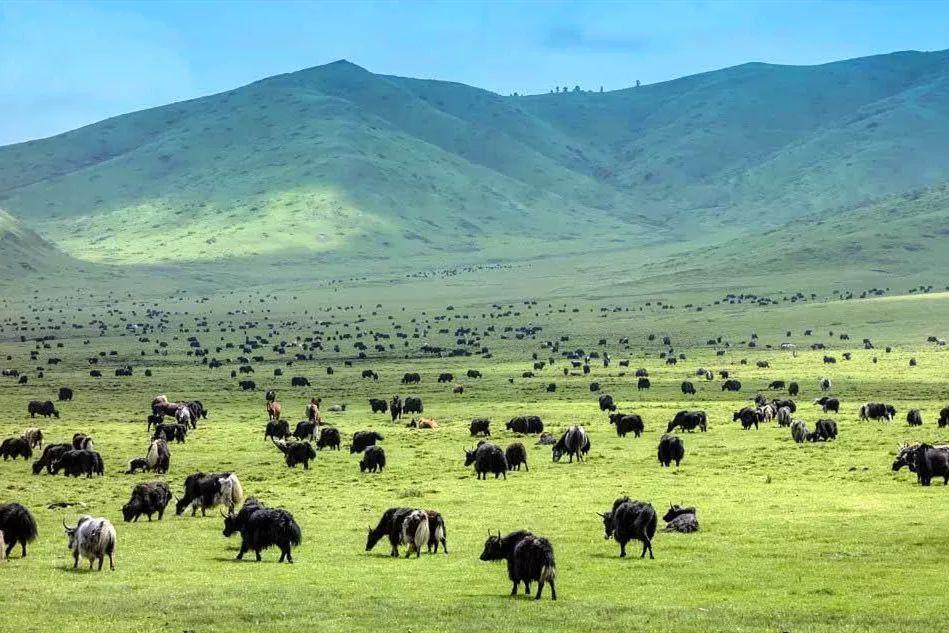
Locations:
(529, 557)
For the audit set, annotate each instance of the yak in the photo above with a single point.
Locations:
(206, 491)
(362, 439)
(679, 519)
(378, 405)
(148, 499)
(17, 525)
(671, 449)
(51, 453)
(487, 458)
(329, 438)
(688, 388)
(630, 520)
(525, 424)
(574, 442)
(277, 429)
(373, 459)
(627, 423)
(296, 453)
(74, 463)
(480, 426)
(529, 559)
(688, 421)
(606, 403)
(516, 454)
(412, 405)
(45, 409)
(14, 447)
(261, 527)
(92, 538)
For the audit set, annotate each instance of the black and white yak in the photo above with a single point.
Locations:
(574, 442)
(296, 453)
(92, 539)
(148, 499)
(34, 436)
(529, 559)
(261, 527)
(17, 525)
(487, 458)
(395, 524)
(679, 519)
(630, 520)
(207, 491)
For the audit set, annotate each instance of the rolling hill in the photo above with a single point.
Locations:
(22, 251)
(335, 165)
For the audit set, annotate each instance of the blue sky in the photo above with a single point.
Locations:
(63, 65)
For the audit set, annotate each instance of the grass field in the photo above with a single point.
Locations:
(814, 537)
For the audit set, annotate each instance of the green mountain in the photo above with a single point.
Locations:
(22, 251)
(337, 165)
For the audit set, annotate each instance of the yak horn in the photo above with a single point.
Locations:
(600, 514)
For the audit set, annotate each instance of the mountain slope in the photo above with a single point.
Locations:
(22, 251)
(337, 164)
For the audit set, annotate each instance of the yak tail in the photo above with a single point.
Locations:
(421, 534)
(152, 458)
(292, 532)
(3, 547)
(107, 537)
(548, 573)
(232, 494)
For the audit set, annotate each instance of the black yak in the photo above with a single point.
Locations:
(516, 454)
(529, 559)
(296, 453)
(679, 519)
(412, 405)
(525, 424)
(373, 460)
(627, 423)
(169, 432)
(630, 520)
(65, 394)
(731, 385)
(487, 458)
(671, 449)
(914, 417)
(606, 403)
(74, 463)
(261, 527)
(643, 383)
(877, 411)
(45, 409)
(305, 430)
(51, 453)
(362, 439)
(329, 438)
(17, 525)
(395, 408)
(277, 429)
(148, 499)
(378, 405)
(14, 447)
(480, 426)
(688, 388)
(688, 421)
(828, 404)
(826, 430)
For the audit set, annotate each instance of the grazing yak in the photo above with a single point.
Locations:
(679, 519)
(825, 430)
(630, 520)
(65, 394)
(392, 522)
(305, 430)
(148, 499)
(368, 373)
(793, 389)
(487, 458)
(643, 383)
(914, 417)
(798, 431)
(362, 439)
(247, 385)
(926, 461)
(525, 424)
(329, 438)
(748, 416)
(411, 378)
(784, 416)
(261, 527)
(671, 449)
(776, 385)
(642, 373)
(82, 442)
(529, 559)
(17, 525)
(473, 373)
(299, 381)
(731, 385)
(296, 453)
(412, 405)
(445, 377)
(688, 421)
(277, 429)
(92, 539)
(14, 447)
(378, 405)
(207, 491)
(158, 458)
(606, 403)
(51, 454)
(45, 409)
(169, 432)
(74, 463)
(574, 442)
(877, 411)
(415, 532)
(516, 455)
(373, 459)
(627, 423)
(688, 388)
(828, 404)
(480, 426)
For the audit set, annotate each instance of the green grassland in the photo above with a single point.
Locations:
(815, 537)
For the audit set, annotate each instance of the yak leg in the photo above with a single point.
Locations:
(101, 560)
(540, 589)
(11, 546)
(553, 589)
(622, 550)
(111, 562)
(240, 554)
(514, 588)
(257, 553)
(444, 546)
(75, 560)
